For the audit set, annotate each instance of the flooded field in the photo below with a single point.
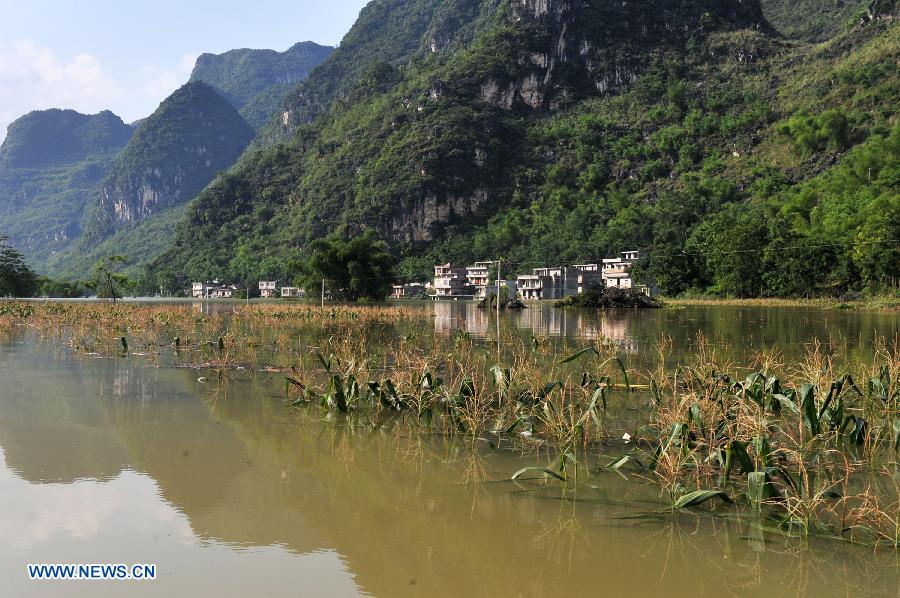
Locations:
(739, 331)
(126, 458)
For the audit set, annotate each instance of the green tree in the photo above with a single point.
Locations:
(809, 134)
(108, 280)
(794, 263)
(733, 242)
(165, 280)
(671, 268)
(60, 288)
(877, 250)
(17, 279)
(359, 268)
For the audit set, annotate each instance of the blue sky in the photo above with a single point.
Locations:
(128, 55)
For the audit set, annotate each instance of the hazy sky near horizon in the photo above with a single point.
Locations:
(129, 55)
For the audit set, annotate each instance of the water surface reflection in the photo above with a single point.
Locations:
(739, 331)
(107, 460)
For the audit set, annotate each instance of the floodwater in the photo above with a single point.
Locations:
(230, 494)
(739, 331)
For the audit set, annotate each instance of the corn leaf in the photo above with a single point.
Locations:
(545, 470)
(698, 497)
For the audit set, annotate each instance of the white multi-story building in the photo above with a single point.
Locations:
(530, 286)
(548, 283)
(450, 282)
(292, 293)
(201, 290)
(268, 288)
(479, 277)
(617, 271)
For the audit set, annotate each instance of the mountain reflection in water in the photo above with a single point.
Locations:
(108, 460)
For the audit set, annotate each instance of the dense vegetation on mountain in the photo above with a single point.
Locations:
(61, 137)
(388, 33)
(139, 243)
(562, 131)
(51, 164)
(175, 153)
(257, 81)
(813, 20)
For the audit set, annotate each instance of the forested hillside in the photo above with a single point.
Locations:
(55, 165)
(257, 81)
(51, 163)
(814, 20)
(388, 34)
(193, 135)
(740, 162)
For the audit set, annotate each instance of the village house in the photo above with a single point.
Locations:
(450, 282)
(268, 288)
(212, 289)
(617, 271)
(415, 290)
(530, 286)
(587, 276)
(292, 293)
(201, 290)
(548, 284)
(224, 292)
(479, 277)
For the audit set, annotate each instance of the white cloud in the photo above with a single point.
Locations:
(33, 77)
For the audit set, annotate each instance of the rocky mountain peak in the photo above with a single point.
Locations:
(193, 135)
(47, 138)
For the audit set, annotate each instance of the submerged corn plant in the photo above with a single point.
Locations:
(789, 452)
(801, 449)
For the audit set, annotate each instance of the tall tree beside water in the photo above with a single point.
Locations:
(108, 280)
(359, 268)
(17, 279)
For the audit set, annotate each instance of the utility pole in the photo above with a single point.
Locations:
(323, 293)
(498, 286)
(499, 260)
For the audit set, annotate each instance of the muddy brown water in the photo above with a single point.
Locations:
(230, 494)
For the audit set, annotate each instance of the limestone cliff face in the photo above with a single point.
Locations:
(541, 55)
(417, 223)
(143, 192)
(176, 152)
(568, 49)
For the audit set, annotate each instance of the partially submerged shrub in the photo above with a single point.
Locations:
(600, 297)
